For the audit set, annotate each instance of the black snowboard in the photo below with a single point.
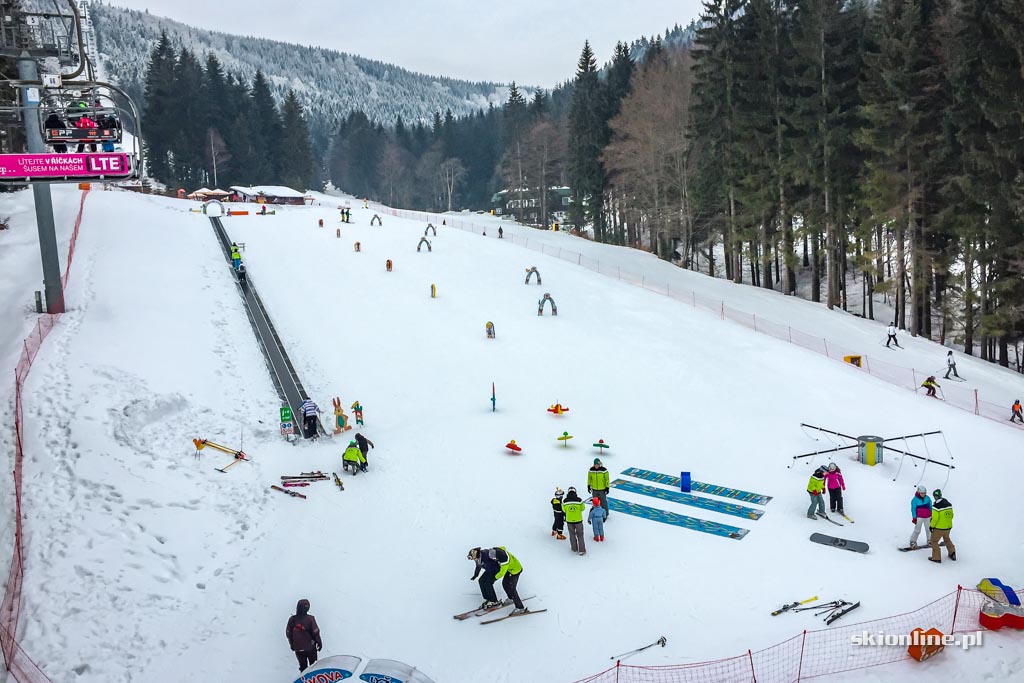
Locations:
(855, 546)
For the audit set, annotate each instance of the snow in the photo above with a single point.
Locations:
(143, 561)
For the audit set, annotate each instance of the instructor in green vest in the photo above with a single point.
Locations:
(598, 483)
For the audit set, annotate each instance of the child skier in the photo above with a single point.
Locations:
(596, 518)
(930, 384)
(815, 487)
(835, 485)
(951, 366)
(353, 457)
(920, 514)
(236, 256)
(892, 336)
(573, 508)
(364, 447)
(309, 411)
(556, 508)
(1015, 412)
(303, 635)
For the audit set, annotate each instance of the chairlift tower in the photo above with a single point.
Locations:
(66, 92)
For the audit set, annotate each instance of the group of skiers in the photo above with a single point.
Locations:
(354, 457)
(236, 263)
(568, 508)
(830, 478)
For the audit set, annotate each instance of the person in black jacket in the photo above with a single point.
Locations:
(556, 508)
(53, 122)
(364, 446)
(488, 567)
(303, 635)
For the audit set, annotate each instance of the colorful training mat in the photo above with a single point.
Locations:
(672, 518)
(700, 487)
(686, 499)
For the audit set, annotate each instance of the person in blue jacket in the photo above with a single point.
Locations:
(596, 519)
(920, 514)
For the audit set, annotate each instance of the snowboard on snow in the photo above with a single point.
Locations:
(855, 546)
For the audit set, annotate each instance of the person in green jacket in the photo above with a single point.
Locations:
(354, 458)
(236, 256)
(815, 489)
(598, 483)
(942, 524)
(573, 508)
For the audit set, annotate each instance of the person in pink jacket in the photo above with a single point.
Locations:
(835, 485)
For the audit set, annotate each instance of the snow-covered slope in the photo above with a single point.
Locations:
(145, 562)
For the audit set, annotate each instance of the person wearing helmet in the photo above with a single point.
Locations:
(353, 457)
(815, 489)
(556, 508)
(598, 483)
(930, 384)
(303, 635)
(485, 569)
(941, 525)
(497, 563)
(573, 508)
(1016, 412)
(835, 485)
(920, 514)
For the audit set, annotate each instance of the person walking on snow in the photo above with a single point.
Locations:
(556, 507)
(920, 514)
(835, 485)
(236, 256)
(501, 232)
(573, 508)
(951, 366)
(942, 524)
(892, 336)
(931, 385)
(353, 457)
(815, 488)
(364, 447)
(598, 482)
(303, 635)
(309, 411)
(1015, 412)
(596, 518)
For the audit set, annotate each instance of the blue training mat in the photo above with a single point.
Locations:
(672, 518)
(710, 489)
(686, 499)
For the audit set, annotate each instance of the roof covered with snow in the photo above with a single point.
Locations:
(268, 191)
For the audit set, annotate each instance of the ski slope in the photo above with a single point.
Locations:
(145, 562)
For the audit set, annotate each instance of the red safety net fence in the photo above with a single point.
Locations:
(813, 654)
(21, 666)
(962, 397)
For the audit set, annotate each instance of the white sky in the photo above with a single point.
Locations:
(535, 42)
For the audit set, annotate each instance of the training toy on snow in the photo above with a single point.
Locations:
(340, 418)
(601, 445)
(337, 233)
(564, 438)
(321, 222)
(424, 240)
(358, 409)
(540, 305)
(433, 291)
(357, 246)
(925, 644)
(512, 446)
(376, 218)
(494, 398)
(998, 591)
(239, 455)
(387, 264)
(430, 226)
(489, 328)
(558, 409)
(532, 271)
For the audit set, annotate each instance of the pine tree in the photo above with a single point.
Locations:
(587, 136)
(158, 119)
(295, 152)
(267, 125)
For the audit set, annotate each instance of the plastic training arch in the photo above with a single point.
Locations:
(424, 240)
(532, 271)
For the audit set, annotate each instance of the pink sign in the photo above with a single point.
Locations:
(67, 166)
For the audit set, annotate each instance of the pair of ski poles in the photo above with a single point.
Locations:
(660, 641)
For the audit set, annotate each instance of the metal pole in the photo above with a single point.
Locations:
(28, 70)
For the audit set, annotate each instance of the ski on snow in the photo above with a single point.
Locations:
(479, 612)
(337, 481)
(919, 547)
(294, 494)
(829, 519)
(846, 518)
(846, 610)
(509, 616)
(786, 608)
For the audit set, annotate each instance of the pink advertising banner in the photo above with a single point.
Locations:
(49, 166)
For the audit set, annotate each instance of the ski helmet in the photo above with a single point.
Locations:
(832, 467)
(473, 554)
(937, 493)
(559, 491)
(922, 490)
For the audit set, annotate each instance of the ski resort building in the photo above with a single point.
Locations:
(267, 194)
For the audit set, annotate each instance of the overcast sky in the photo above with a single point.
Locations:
(535, 42)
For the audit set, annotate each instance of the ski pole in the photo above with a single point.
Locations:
(660, 641)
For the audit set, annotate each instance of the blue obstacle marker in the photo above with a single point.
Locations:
(686, 499)
(672, 518)
(699, 487)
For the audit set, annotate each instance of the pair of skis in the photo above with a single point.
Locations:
(792, 605)
(480, 611)
(293, 494)
(337, 481)
(834, 609)
(827, 518)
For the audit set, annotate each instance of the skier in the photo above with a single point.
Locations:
(596, 518)
(236, 256)
(309, 411)
(892, 336)
(353, 457)
(303, 635)
(501, 233)
(815, 487)
(364, 447)
(263, 211)
(556, 508)
(942, 524)
(1015, 412)
(931, 385)
(835, 485)
(598, 483)
(497, 563)
(920, 513)
(951, 366)
(573, 508)
(241, 274)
